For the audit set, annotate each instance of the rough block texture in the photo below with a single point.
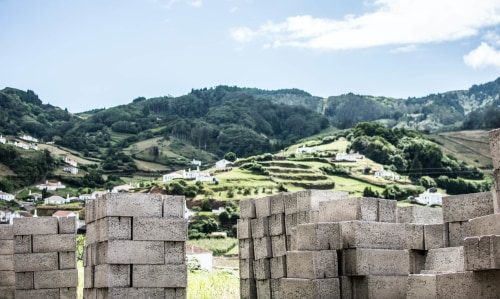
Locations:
(290, 201)
(309, 200)
(245, 249)
(175, 253)
(312, 264)
(414, 236)
(244, 230)
(368, 234)
(129, 204)
(56, 279)
(485, 225)
(457, 232)
(130, 252)
(417, 260)
(159, 276)
(276, 224)
(113, 228)
(420, 215)
(387, 210)
(173, 206)
(111, 276)
(25, 262)
(54, 243)
(361, 208)
(262, 207)
(449, 259)
(467, 206)
(248, 289)
(246, 268)
(6, 263)
(278, 245)
(247, 208)
(310, 288)
(6, 232)
(494, 136)
(7, 292)
(263, 288)
(262, 269)
(363, 261)
(434, 236)
(30, 294)
(290, 223)
(278, 267)
(22, 244)
(319, 236)
(277, 204)
(152, 229)
(7, 278)
(262, 248)
(24, 280)
(382, 287)
(35, 226)
(260, 227)
(67, 225)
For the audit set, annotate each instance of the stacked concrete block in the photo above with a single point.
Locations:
(135, 247)
(419, 215)
(7, 275)
(44, 257)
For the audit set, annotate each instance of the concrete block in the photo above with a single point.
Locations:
(54, 243)
(382, 287)
(114, 228)
(246, 268)
(90, 215)
(261, 269)
(485, 225)
(278, 245)
(107, 276)
(6, 232)
(35, 226)
(159, 229)
(387, 210)
(26, 262)
(347, 209)
(6, 262)
(88, 277)
(319, 236)
(450, 259)
(484, 256)
(495, 252)
(67, 293)
(362, 261)
(22, 244)
(346, 288)
(91, 234)
(175, 253)
(312, 264)
(369, 234)
(245, 249)
(414, 236)
(118, 293)
(293, 288)
(304, 217)
(175, 293)
(67, 260)
(262, 207)
(129, 204)
(260, 227)
(159, 276)
(276, 291)
(467, 206)
(248, 289)
(417, 260)
(7, 278)
(457, 232)
(173, 206)
(56, 279)
(277, 204)
(419, 215)
(434, 236)
(290, 201)
(290, 223)
(276, 224)
(278, 267)
(6, 246)
(291, 244)
(309, 200)
(247, 209)
(494, 136)
(67, 225)
(243, 228)
(122, 252)
(43, 293)
(23, 280)
(471, 253)
(262, 248)
(263, 288)
(8, 292)
(495, 195)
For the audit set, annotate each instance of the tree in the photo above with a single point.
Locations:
(230, 156)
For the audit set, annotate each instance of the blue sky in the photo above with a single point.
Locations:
(85, 54)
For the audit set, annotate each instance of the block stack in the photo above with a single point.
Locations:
(7, 277)
(265, 232)
(44, 257)
(135, 247)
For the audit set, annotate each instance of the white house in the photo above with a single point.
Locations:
(201, 255)
(98, 194)
(70, 162)
(71, 169)
(3, 140)
(430, 198)
(121, 188)
(348, 157)
(196, 162)
(28, 138)
(223, 164)
(387, 175)
(189, 174)
(305, 149)
(85, 197)
(179, 174)
(49, 186)
(6, 196)
(22, 145)
(55, 199)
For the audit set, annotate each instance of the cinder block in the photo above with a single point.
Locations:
(434, 236)
(496, 194)
(363, 261)
(304, 217)
(248, 289)
(293, 288)
(347, 209)
(262, 207)
(309, 200)
(263, 288)
(122, 252)
(114, 228)
(457, 232)
(35, 226)
(379, 286)
(471, 253)
(484, 252)
(7, 279)
(26, 262)
(175, 253)
(159, 276)
(494, 136)
(67, 225)
(54, 243)
(245, 249)
(290, 201)
(246, 268)
(118, 293)
(346, 288)
(6, 232)
(90, 215)
(129, 204)
(278, 245)
(417, 260)
(260, 227)
(67, 260)
(6, 246)
(369, 234)
(159, 229)
(467, 206)
(56, 279)
(23, 280)
(277, 204)
(276, 224)
(262, 248)
(319, 236)
(22, 244)
(485, 225)
(495, 252)
(88, 277)
(6, 263)
(419, 215)
(276, 291)
(91, 234)
(67, 293)
(247, 209)
(8, 292)
(173, 206)
(261, 269)
(175, 293)
(387, 210)
(414, 236)
(312, 264)
(43, 293)
(106, 276)
(278, 267)
(290, 223)
(449, 259)
(244, 230)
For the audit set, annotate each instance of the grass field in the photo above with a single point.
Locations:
(217, 284)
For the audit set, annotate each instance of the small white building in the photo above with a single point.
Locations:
(71, 169)
(85, 197)
(223, 164)
(387, 175)
(50, 186)
(28, 138)
(6, 196)
(304, 149)
(121, 188)
(70, 162)
(348, 157)
(55, 199)
(22, 145)
(3, 140)
(179, 174)
(430, 198)
(196, 162)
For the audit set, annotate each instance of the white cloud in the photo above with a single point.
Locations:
(483, 56)
(406, 49)
(169, 4)
(391, 22)
(492, 38)
(195, 3)
(242, 34)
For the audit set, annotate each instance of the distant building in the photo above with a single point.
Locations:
(29, 138)
(71, 169)
(70, 162)
(387, 175)
(430, 198)
(55, 199)
(6, 196)
(304, 149)
(189, 174)
(196, 162)
(121, 188)
(3, 140)
(223, 164)
(50, 186)
(348, 157)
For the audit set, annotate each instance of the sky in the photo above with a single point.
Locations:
(88, 54)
